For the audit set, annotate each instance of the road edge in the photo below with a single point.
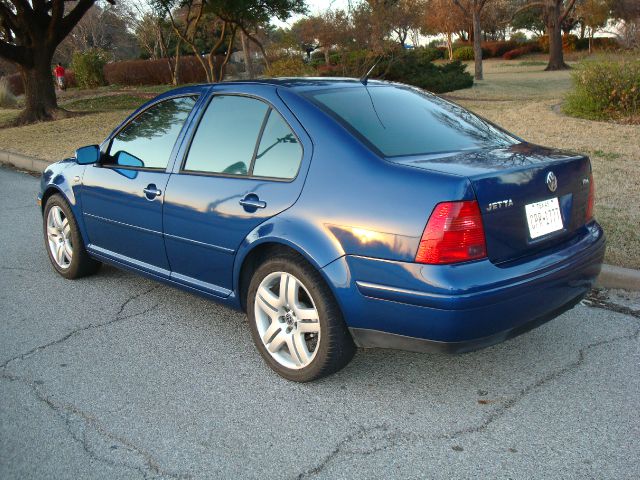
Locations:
(611, 276)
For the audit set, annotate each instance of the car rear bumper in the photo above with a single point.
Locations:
(462, 307)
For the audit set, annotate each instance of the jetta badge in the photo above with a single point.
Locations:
(501, 204)
(552, 181)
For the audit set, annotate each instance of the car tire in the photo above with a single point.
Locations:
(63, 241)
(298, 358)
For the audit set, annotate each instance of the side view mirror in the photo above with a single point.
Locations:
(88, 155)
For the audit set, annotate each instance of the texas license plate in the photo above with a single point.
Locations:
(543, 217)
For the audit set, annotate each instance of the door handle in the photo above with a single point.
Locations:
(152, 192)
(252, 202)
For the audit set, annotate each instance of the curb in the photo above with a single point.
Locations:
(619, 277)
(610, 276)
(23, 162)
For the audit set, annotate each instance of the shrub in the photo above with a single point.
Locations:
(430, 53)
(88, 67)
(335, 58)
(518, 52)
(463, 53)
(289, 67)
(497, 49)
(518, 37)
(416, 70)
(7, 98)
(14, 81)
(605, 90)
(569, 43)
(155, 72)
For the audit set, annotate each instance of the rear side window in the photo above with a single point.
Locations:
(147, 141)
(243, 136)
(226, 136)
(279, 152)
(403, 121)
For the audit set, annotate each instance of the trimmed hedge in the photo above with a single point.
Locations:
(155, 72)
(17, 87)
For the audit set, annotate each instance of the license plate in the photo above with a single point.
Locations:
(543, 217)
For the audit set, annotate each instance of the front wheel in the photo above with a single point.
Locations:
(63, 240)
(295, 321)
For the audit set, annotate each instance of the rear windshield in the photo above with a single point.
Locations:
(399, 121)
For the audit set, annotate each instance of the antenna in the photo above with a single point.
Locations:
(365, 77)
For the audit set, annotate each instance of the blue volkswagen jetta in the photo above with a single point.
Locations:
(335, 213)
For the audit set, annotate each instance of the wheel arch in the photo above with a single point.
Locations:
(252, 254)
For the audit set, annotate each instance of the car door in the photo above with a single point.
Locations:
(245, 163)
(122, 195)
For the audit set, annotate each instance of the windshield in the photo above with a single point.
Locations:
(398, 121)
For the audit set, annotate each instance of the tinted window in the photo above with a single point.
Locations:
(226, 137)
(279, 153)
(404, 121)
(148, 139)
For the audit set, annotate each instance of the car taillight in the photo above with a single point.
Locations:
(454, 233)
(590, 202)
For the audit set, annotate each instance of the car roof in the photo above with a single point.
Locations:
(294, 83)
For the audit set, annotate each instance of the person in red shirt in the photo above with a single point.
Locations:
(59, 74)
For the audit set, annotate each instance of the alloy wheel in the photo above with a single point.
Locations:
(287, 320)
(59, 237)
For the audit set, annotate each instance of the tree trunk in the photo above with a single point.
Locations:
(477, 47)
(554, 30)
(246, 51)
(40, 101)
(175, 76)
(326, 55)
(450, 46)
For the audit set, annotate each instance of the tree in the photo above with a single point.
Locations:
(554, 14)
(104, 27)
(593, 14)
(439, 17)
(404, 16)
(529, 19)
(29, 35)
(473, 9)
(249, 15)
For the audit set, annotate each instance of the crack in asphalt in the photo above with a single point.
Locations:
(20, 269)
(67, 412)
(117, 318)
(396, 437)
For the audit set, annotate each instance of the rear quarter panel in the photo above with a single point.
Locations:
(354, 202)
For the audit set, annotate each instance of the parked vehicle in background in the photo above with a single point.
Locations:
(335, 214)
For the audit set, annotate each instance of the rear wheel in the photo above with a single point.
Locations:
(295, 322)
(64, 242)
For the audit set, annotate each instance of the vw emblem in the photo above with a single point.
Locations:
(552, 181)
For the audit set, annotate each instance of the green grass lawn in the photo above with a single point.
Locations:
(124, 101)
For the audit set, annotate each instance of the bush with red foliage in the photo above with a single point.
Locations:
(498, 48)
(155, 72)
(518, 52)
(17, 87)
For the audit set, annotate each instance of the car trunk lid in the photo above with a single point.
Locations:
(511, 185)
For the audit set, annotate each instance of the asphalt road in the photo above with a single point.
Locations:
(116, 376)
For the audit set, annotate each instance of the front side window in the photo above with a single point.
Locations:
(244, 136)
(147, 141)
